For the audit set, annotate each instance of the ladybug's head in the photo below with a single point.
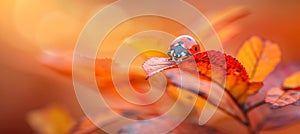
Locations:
(183, 47)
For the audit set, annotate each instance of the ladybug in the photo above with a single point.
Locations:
(183, 47)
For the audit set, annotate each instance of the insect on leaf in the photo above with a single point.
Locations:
(214, 65)
(217, 66)
(260, 57)
(204, 73)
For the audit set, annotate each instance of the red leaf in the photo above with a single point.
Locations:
(204, 74)
(221, 65)
(279, 97)
(266, 118)
(287, 94)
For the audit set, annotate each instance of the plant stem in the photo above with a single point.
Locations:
(254, 106)
(246, 111)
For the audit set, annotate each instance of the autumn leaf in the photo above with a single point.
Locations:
(225, 115)
(237, 88)
(195, 75)
(274, 80)
(155, 65)
(226, 103)
(292, 82)
(259, 57)
(127, 82)
(266, 118)
(50, 120)
(288, 94)
(223, 66)
(279, 97)
(281, 107)
(217, 66)
(108, 90)
(104, 76)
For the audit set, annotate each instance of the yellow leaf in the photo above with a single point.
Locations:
(293, 81)
(259, 57)
(50, 120)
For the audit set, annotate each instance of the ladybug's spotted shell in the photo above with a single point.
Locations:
(188, 42)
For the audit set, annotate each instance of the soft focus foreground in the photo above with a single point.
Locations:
(34, 32)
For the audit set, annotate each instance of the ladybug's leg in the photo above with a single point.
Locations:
(187, 56)
(170, 55)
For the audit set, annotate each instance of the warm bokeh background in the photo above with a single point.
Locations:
(29, 28)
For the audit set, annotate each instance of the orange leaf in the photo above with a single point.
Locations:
(260, 57)
(292, 81)
(112, 83)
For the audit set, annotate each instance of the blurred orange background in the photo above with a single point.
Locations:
(30, 28)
